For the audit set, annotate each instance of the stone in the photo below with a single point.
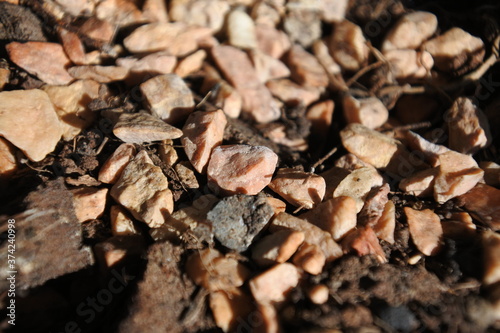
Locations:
(410, 64)
(89, 202)
(277, 133)
(142, 69)
(313, 234)
(410, 31)
(269, 315)
(305, 68)
(384, 228)
(310, 258)
(491, 173)
(267, 67)
(374, 206)
(277, 247)
(273, 285)
(186, 175)
(332, 68)
(77, 8)
(272, 41)
(277, 205)
(75, 50)
(241, 30)
(47, 61)
(167, 152)
(347, 45)
(238, 219)
(4, 77)
(209, 13)
(358, 184)
(468, 128)
(320, 115)
(202, 132)
(299, 188)
(101, 74)
(241, 169)
(142, 127)
(143, 190)
(71, 105)
(190, 63)
(28, 121)
(457, 174)
(370, 112)
(491, 257)
(29, 28)
(333, 10)
(8, 163)
(98, 29)
(168, 97)
(290, 92)
(363, 241)
(455, 51)
(213, 271)
(302, 25)
(224, 95)
(121, 223)
(425, 230)
(238, 70)
(111, 169)
(349, 162)
(429, 150)
(459, 226)
(483, 202)
(267, 13)
(229, 308)
(318, 294)
(121, 13)
(155, 11)
(420, 184)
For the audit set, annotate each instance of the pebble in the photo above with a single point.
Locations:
(101, 74)
(123, 13)
(364, 242)
(484, 202)
(272, 41)
(273, 285)
(267, 67)
(47, 61)
(168, 97)
(277, 205)
(318, 294)
(332, 68)
(147, 67)
(358, 184)
(290, 92)
(491, 257)
(155, 11)
(4, 77)
(410, 64)
(236, 220)
(228, 308)
(224, 95)
(267, 14)
(410, 31)
(374, 205)
(277, 247)
(333, 10)
(143, 190)
(386, 224)
(142, 127)
(121, 223)
(320, 115)
(468, 127)
(241, 169)
(310, 258)
(305, 68)
(210, 13)
(370, 112)
(425, 230)
(203, 131)
(269, 316)
(491, 173)
(313, 234)
(167, 153)
(8, 164)
(111, 169)
(71, 105)
(75, 50)
(238, 70)
(420, 184)
(338, 216)
(347, 45)
(241, 30)
(98, 29)
(431, 151)
(299, 188)
(349, 162)
(302, 25)
(187, 175)
(190, 63)
(278, 134)
(89, 202)
(28, 121)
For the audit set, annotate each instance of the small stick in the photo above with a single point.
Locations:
(324, 158)
(101, 146)
(410, 127)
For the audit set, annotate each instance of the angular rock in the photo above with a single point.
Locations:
(349, 162)
(153, 37)
(155, 11)
(267, 14)
(230, 308)
(347, 46)
(410, 31)
(98, 29)
(147, 67)
(370, 112)
(425, 230)
(310, 258)
(278, 133)
(121, 13)
(114, 165)
(364, 242)
(375, 203)
(483, 202)
(384, 228)
(168, 97)
(241, 30)
(332, 68)
(142, 127)
(89, 202)
(274, 284)
(420, 184)
(143, 190)
(190, 63)
(277, 205)
(75, 50)
(272, 41)
(429, 150)
(277, 248)
(267, 67)
(319, 294)
(121, 223)
(224, 95)
(302, 24)
(202, 132)
(47, 61)
(167, 153)
(186, 175)
(358, 184)
(28, 121)
(491, 257)
(101, 74)
(241, 169)
(305, 68)
(291, 93)
(8, 164)
(237, 219)
(210, 14)
(269, 315)
(409, 64)
(491, 173)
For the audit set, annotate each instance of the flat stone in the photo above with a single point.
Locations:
(236, 220)
(347, 45)
(8, 163)
(358, 184)
(114, 165)
(75, 50)
(147, 67)
(89, 202)
(305, 68)
(302, 25)
(319, 294)
(491, 257)
(28, 121)
(229, 308)
(310, 258)
(483, 202)
(299, 188)
(238, 70)
(410, 64)
(272, 41)
(374, 205)
(277, 247)
(101, 74)
(410, 31)
(190, 63)
(241, 30)
(267, 67)
(468, 127)
(384, 228)
(168, 97)
(142, 127)
(363, 241)
(71, 105)
(203, 131)
(143, 190)
(241, 169)
(290, 92)
(121, 223)
(491, 173)
(320, 115)
(274, 284)
(420, 184)
(370, 112)
(349, 162)
(425, 230)
(47, 61)
(210, 14)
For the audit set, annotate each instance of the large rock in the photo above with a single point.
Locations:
(142, 127)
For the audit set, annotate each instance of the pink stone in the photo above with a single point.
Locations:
(114, 165)
(89, 202)
(305, 68)
(274, 284)
(301, 189)
(425, 230)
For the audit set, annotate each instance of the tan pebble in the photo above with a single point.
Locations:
(303, 24)
(4, 77)
(333, 10)
(290, 92)
(274, 284)
(420, 184)
(410, 64)
(429, 150)
(410, 31)
(370, 112)
(167, 152)
(209, 14)
(483, 202)
(374, 205)
(190, 63)
(347, 46)
(117, 250)
(241, 30)
(155, 11)
(224, 95)
(187, 175)
(386, 224)
(267, 14)
(425, 230)
(89, 202)
(305, 68)
(230, 308)
(121, 223)
(363, 241)
(491, 257)
(318, 294)
(358, 184)
(350, 162)
(73, 47)
(267, 67)
(270, 320)
(97, 28)
(8, 164)
(310, 258)
(153, 37)
(299, 188)
(277, 205)
(142, 127)
(332, 68)
(101, 74)
(146, 67)
(491, 173)
(277, 247)
(272, 41)
(114, 165)
(277, 133)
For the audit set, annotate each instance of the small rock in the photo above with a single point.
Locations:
(224, 95)
(121, 223)
(142, 127)
(143, 190)
(274, 284)
(303, 25)
(241, 169)
(301, 189)
(98, 29)
(230, 308)
(333, 10)
(370, 112)
(84, 180)
(168, 97)
(277, 247)
(305, 68)
(8, 164)
(237, 219)
(114, 165)
(491, 257)
(410, 31)
(153, 37)
(269, 317)
(468, 127)
(332, 68)
(155, 11)
(290, 92)
(347, 46)
(384, 228)
(320, 115)
(89, 202)
(358, 184)
(101, 74)
(47, 61)
(318, 294)
(456, 51)
(190, 63)
(272, 41)
(210, 14)
(484, 202)
(241, 30)
(349, 162)
(431, 151)
(267, 67)
(267, 13)
(425, 230)
(374, 206)
(410, 64)
(420, 184)
(28, 121)
(167, 152)
(186, 174)
(278, 134)
(491, 173)
(364, 242)
(310, 258)
(75, 50)
(4, 77)
(459, 226)
(147, 67)
(203, 131)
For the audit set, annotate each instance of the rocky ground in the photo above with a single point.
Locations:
(249, 166)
